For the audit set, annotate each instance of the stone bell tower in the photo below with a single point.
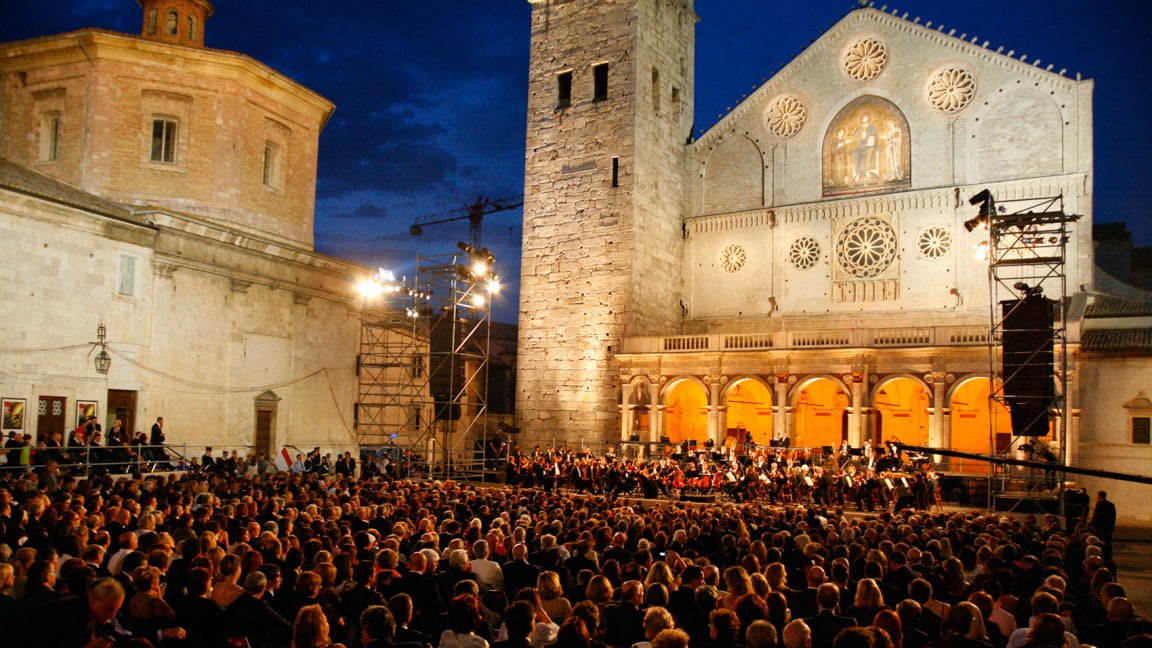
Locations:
(610, 107)
(176, 22)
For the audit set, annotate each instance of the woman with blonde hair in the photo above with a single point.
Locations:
(599, 591)
(738, 583)
(311, 629)
(552, 596)
(655, 619)
(226, 588)
(869, 600)
(661, 572)
(777, 575)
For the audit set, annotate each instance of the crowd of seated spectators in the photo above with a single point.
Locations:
(315, 560)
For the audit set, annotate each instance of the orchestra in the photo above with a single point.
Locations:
(868, 478)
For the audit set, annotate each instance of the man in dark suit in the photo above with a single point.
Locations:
(426, 602)
(899, 575)
(251, 617)
(518, 572)
(617, 551)
(682, 602)
(827, 624)
(1104, 518)
(624, 620)
(802, 602)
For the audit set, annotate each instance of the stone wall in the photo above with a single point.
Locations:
(602, 202)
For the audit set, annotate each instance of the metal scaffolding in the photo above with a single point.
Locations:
(423, 364)
(1027, 252)
(392, 368)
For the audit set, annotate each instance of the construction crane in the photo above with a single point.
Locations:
(473, 213)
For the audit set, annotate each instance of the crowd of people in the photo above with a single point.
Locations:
(300, 558)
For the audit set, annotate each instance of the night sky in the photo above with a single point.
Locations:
(431, 96)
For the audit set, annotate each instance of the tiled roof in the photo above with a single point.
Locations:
(1125, 339)
(1107, 306)
(23, 180)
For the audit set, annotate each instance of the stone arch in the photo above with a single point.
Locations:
(1020, 135)
(867, 147)
(685, 405)
(978, 424)
(819, 404)
(900, 410)
(748, 401)
(734, 176)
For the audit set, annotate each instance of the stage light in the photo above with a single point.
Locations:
(981, 250)
(493, 285)
(369, 288)
(983, 196)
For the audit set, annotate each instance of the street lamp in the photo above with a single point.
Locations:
(103, 360)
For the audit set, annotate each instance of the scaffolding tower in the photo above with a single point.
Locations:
(393, 381)
(1028, 284)
(423, 364)
(461, 285)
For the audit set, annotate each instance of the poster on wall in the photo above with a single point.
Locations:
(84, 410)
(13, 414)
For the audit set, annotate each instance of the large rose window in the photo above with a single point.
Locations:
(866, 247)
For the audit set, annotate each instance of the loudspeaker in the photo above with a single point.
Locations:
(1029, 385)
(446, 375)
(1029, 417)
(1027, 346)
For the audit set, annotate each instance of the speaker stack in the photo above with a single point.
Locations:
(1029, 385)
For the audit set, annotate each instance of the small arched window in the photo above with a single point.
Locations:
(192, 28)
(173, 21)
(151, 23)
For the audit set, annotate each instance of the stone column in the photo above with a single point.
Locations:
(715, 413)
(655, 409)
(781, 420)
(627, 411)
(936, 423)
(855, 413)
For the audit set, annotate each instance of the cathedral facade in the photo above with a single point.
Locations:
(807, 268)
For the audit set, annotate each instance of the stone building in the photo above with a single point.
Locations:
(802, 269)
(165, 191)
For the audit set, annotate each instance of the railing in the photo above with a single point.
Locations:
(892, 337)
(93, 460)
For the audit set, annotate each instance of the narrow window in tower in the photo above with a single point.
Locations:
(50, 137)
(164, 140)
(615, 172)
(151, 29)
(1141, 430)
(272, 174)
(191, 28)
(564, 89)
(655, 90)
(173, 22)
(600, 82)
(675, 102)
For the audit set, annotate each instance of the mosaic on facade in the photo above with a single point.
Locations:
(867, 148)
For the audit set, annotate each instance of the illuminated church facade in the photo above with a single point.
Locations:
(802, 269)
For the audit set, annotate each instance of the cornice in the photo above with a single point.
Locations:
(940, 198)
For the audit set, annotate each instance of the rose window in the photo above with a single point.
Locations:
(934, 242)
(865, 59)
(804, 253)
(866, 247)
(786, 116)
(732, 258)
(951, 89)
